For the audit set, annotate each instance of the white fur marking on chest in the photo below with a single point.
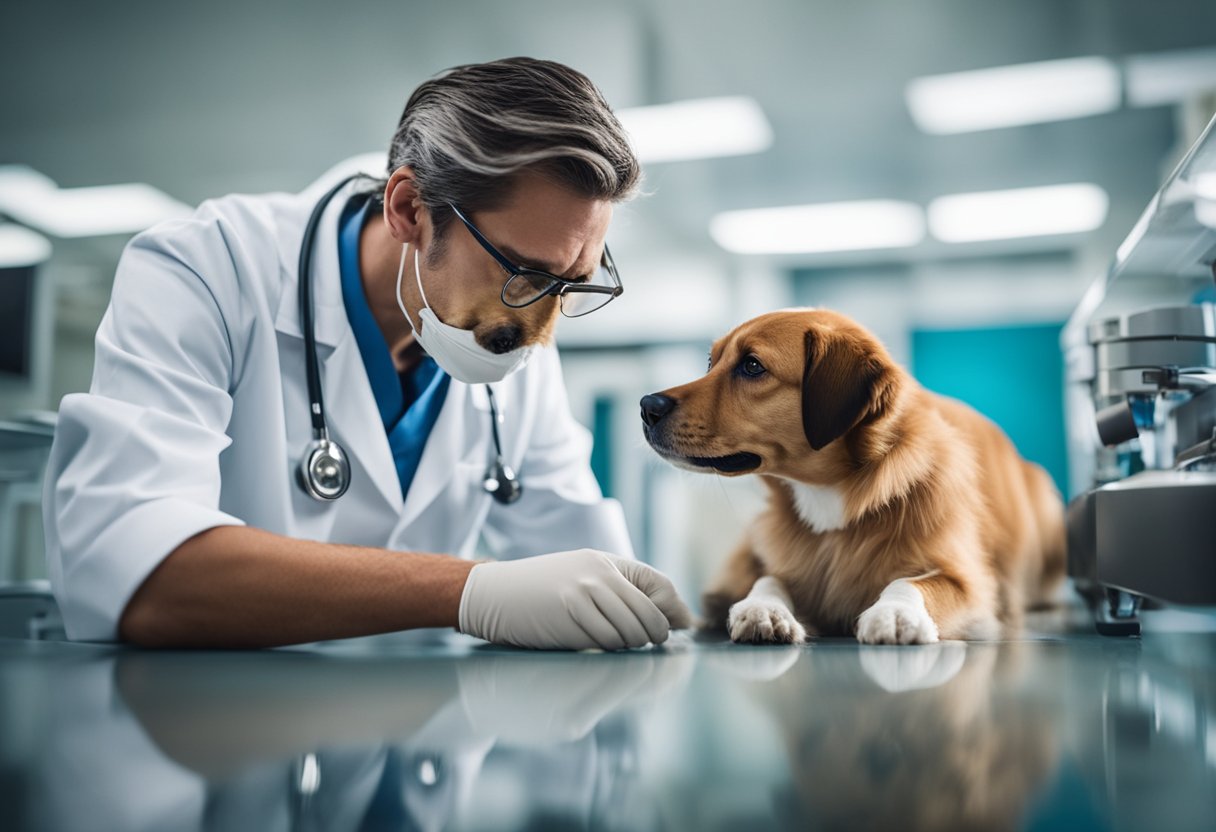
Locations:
(820, 506)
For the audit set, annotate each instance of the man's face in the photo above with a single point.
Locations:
(542, 226)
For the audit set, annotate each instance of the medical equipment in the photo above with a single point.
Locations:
(324, 471)
(28, 611)
(500, 480)
(1141, 396)
(17, 340)
(25, 445)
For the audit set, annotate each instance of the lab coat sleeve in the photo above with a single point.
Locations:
(134, 469)
(561, 507)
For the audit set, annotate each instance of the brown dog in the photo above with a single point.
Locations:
(894, 514)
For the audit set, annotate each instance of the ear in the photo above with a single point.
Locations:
(840, 384)
(404, 210)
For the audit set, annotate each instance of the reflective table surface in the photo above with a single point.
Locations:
(1062, 730)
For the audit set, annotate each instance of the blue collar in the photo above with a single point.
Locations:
(393, 394)
(409, 405)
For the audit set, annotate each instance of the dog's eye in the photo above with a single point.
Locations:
(751, 366)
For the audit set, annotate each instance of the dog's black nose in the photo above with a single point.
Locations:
(504, 339)
(655, 407)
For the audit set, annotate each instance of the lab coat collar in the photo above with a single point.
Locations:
(459, 440)
(331, 325)
(460, 436)
(446, 445)
(351, 414)
(353, 419)
(351, 411)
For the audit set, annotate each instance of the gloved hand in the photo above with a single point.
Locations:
(571, 600)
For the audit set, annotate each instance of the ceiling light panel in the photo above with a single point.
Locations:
(1023, 212)
(823, 227)
(697, 129)
(1007, 96)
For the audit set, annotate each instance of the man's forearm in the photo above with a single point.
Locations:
(235, 586)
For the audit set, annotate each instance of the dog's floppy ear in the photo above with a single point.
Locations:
(839, 387)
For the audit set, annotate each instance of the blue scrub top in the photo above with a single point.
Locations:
(409, 404)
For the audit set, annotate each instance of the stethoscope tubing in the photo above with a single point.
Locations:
(500, 481)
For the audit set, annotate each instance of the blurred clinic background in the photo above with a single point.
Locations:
(952, 173)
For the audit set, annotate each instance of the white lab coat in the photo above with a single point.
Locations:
(198, 416)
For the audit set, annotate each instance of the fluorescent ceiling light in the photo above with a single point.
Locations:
(32, 199)
(1025, 212)
(697, 129)
(1169, 77)
(19, 181)
(1011, 95)
(1205, 198)
(21, 247)
(92, 212)
(828, 226)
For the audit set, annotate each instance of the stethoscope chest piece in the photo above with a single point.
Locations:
(502, 483)
(324, 472)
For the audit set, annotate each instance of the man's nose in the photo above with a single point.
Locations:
(655, 407)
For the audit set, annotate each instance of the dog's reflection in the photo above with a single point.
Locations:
(932, 738)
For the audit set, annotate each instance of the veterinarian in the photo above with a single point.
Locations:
(307, 409)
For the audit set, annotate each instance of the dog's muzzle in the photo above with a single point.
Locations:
(655, 407)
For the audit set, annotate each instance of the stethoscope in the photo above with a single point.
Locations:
(324, 471)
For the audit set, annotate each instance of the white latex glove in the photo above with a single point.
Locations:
(571, 600)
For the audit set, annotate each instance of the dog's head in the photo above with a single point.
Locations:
(791, 393)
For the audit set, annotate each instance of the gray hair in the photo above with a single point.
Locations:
(469, 132)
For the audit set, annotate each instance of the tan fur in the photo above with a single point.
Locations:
(932, 490)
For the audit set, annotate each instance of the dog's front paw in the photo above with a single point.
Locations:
(896, 622)
(762, 621)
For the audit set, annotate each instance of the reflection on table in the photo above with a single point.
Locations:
(388, 733)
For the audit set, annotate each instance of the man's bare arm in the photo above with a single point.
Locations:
(235, 586)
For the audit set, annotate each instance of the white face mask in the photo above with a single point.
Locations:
(454, 349)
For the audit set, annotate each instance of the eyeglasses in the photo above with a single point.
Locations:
(526, 286)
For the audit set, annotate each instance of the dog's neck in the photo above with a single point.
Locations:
(912, 454)
(908, 458)
(821, 507)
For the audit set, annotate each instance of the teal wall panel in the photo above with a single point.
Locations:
(602, 421)
(1014, 375)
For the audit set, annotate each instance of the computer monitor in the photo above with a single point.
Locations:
(16, 321)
